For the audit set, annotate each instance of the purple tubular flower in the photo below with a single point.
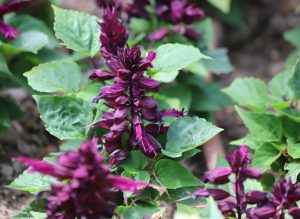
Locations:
(294, 212)
(131, 107)
(178, 12)
(9, 32)
(159, 34)
(218, 176)
(89, 186)
(255, 197)
(217, 194)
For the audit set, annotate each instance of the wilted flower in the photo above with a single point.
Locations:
(127, 95)
(9, 32)
(89, 187)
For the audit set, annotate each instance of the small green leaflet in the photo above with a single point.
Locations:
(137, 212)
(293, 36)
(65, 117)
(294, 82)
(4, 70)
(32, 182)
(265, 155)
(222, 5)
(250, 92)
(187, 133)
(167, 170)
(56, 76)
(78, 31)
(293, 171)
(264, 126)
(211, 210)
(135, 162)
(31, 41)
(219, 64)
(170, 58)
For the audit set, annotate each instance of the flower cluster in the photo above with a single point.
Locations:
(180, 13)
(284, 196)
(9, 32)
(281, 201)
(88, 192)
(127, 95)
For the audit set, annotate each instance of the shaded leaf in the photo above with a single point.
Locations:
(173, 176)
(78, 31)
(56, 76)
(65, 117)
(188, 133)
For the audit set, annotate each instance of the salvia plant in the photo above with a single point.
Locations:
(270, 113)
(25, 41)
(241, 201)
(127, 130)
(137, 147)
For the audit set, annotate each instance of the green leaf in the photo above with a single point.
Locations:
(89, 92)
(211, 210)
(188, 133)
(186, 212)
(137, 212)
(206, 28)
(26, 23)
(139, 25)
(294, 81)
(219, 64)
(34, 211)
(70, 145)
(293, 149)
(293, 36)
(209, 98)
(250, 92)
(170, 58)
(291, 129)
(56, 76)
(142, 176)
(65, 117)
(32, 182)
(78, 31)
(197, 68)
(293, 171)
(279, 85)
(250, 140)
(135, 162)
(264, 126)
(223, 5)
(4, 70)
(173, 176)
(31, 41)
(265, 155)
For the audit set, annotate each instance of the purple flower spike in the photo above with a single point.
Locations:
(13, 6)
(90, 184)
(283, 199)
(127, 96)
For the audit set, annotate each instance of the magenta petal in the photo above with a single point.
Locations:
(217, 176)
(255, 197)
(294, 212)
(148, 83)
(151, 56)
(126, 184)
(9, 32)
(174, 113)
(117, 157)
(159, 34)
(252, 173)
(13, 5)
(101, 75)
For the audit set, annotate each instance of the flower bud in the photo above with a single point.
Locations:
(255, 197)
(217, 176)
